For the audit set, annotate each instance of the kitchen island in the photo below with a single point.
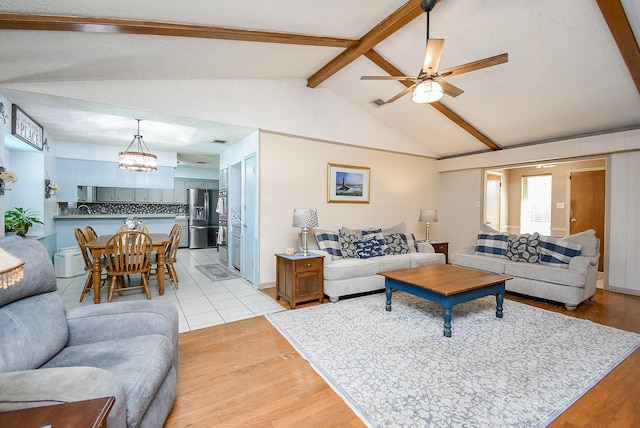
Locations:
(106, 224)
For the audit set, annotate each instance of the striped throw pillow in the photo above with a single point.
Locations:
(329, 242)
(492, 244)
(557, 251)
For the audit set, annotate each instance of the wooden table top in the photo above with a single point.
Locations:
(77, 414)
(156, 239)
(445, 279)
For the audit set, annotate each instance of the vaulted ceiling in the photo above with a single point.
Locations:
(573, 68)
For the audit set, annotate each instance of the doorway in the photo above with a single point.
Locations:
(587, 204)
(249, 245)
(492, 193)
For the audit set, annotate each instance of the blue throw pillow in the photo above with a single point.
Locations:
(377, 233)
(329, 242)
(492, 244)
(368, 248)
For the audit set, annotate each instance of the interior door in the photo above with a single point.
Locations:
(587, 204)
(493, 184)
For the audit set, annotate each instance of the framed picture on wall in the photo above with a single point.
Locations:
(347, 183)
(26, 129)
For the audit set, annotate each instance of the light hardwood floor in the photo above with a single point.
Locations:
(245, 374)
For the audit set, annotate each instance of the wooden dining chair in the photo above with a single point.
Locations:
(170, 256)
(88, 263)
(141, 228)
(129, 254)
(90, 233)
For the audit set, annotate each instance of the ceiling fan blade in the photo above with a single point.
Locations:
(475, 65)
(449, 89)
(401, 94)
(432, 56)
(387, 78)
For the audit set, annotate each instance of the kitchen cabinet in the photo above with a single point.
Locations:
(66, 178)
(194, 183)
(235, 250)
(115, 194)
(224, 178)
(142, 195)
(180, 190)
(108, 174)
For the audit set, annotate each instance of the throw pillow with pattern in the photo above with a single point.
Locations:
(523, 248)
(492, 244)
(377, 234)
(397, 244)
(368, 248)
(557, 252)
(347, 239)
(329, 242)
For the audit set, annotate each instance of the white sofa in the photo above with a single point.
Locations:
(568, 284)
(354, 275)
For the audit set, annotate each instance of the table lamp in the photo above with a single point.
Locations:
(428, 216)
(305, 218)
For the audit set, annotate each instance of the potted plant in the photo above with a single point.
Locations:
(19, 220)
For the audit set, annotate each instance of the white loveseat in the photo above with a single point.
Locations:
(570, 281)
(345, 273)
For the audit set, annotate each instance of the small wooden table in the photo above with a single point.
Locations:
(447, 285)
(299, 278)
(98, 249)
(77, 414)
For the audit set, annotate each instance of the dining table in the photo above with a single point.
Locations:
(98, 248)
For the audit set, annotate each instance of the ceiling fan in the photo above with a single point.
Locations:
(429, 85)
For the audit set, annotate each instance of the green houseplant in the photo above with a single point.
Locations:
(19, 220)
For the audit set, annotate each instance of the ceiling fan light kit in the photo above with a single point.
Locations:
(427, 92)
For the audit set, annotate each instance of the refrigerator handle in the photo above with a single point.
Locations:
(206, 206)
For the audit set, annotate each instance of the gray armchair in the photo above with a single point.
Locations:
(50, 355)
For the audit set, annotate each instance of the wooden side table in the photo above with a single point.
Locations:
(441, 247)
(299, 278)
(77, 414)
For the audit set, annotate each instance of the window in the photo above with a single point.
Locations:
(535, 204)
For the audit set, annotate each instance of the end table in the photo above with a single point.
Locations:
(299, 278)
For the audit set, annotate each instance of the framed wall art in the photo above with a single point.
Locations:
(347, 183)
(26, 129)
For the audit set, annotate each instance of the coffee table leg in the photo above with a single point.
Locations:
(389, 294)
(499, 300)
(447, 322)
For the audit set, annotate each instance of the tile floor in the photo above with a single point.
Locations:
(200, 302)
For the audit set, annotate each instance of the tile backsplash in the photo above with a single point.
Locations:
(124, 208)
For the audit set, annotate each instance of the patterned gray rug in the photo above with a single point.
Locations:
(396, 369)
(217, 272)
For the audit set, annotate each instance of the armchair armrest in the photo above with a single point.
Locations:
(327, 256)
(96, 323)
(425, 247)
(582, 263)
(43, 387)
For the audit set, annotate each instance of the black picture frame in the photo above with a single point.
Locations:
(26, 129)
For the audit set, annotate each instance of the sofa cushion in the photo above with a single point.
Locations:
(347, 239)
(557, 251)
(492, 244)
(473, 261)
(139, 363)
(396, 244)
(394, 262)
(523, 248)
(398, 228)
(329, 242)
(376, 233)
(367, 248)
(587, 240)
(350, 268)
(536, 272)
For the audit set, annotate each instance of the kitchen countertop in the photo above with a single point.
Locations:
(111, 216)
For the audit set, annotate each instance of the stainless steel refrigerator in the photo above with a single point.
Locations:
(203, 218)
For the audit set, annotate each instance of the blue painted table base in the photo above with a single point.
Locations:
(447, 302)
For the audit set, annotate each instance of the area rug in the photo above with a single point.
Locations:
(396, 369)
(217, 272)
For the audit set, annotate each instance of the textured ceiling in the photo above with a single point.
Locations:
(565, 76)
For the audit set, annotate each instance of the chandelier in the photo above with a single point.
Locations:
(140, 160)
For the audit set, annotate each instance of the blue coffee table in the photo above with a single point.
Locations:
(446, 285)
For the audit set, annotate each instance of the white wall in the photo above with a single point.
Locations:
(5, 125)
(293, 174)
(624, 236)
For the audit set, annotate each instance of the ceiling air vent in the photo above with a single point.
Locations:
(216, 141)
(378, 102)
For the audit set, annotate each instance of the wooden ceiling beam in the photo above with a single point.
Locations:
(119, 26)
(616, 19)
(381, 62)
(398, 19)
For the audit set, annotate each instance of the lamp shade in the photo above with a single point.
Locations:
(427, 92)
(11, 269)
(305, 217)
(428, 216)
